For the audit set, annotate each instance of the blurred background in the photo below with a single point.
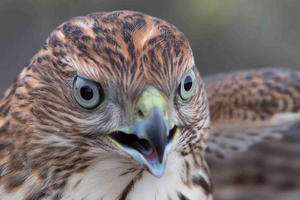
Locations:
(225, 35)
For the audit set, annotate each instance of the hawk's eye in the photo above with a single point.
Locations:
(88, 94)
(187, 86)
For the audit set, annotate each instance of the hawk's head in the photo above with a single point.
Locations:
(118, 84)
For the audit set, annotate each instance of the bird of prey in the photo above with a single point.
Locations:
(112, 107)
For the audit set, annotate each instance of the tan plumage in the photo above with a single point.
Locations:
(150, 116)
(55, 146)
(269, 170)
(248, 107)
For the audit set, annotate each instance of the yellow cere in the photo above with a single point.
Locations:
(150, 98)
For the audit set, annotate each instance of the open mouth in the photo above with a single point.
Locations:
(148, 141)
(141, 145)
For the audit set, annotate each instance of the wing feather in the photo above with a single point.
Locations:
(269, 170)
(248, 107)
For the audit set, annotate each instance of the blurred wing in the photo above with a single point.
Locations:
(248, 107)
(269, 170)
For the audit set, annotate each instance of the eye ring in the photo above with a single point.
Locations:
(87, 93)
(187, 86)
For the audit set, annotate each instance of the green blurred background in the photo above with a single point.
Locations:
(224, 34)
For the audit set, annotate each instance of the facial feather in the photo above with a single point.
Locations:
(52, 139)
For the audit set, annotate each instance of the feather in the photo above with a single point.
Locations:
(268, 119)
(248, 107)
(269, 170)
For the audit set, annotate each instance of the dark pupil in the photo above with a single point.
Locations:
(86, 93)
(188, 83)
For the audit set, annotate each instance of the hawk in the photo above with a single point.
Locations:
(112, 107)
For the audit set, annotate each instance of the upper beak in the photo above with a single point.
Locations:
(154, 130)
(149, 140)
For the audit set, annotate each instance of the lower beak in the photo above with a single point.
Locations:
(148, 142)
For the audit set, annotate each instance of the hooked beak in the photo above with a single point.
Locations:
(149, 140)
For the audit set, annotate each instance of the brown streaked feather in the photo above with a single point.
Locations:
(48, 143)
(249, 106)
(244, 106)
(269, 170)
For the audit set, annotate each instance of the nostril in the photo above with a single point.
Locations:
(141, 114)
